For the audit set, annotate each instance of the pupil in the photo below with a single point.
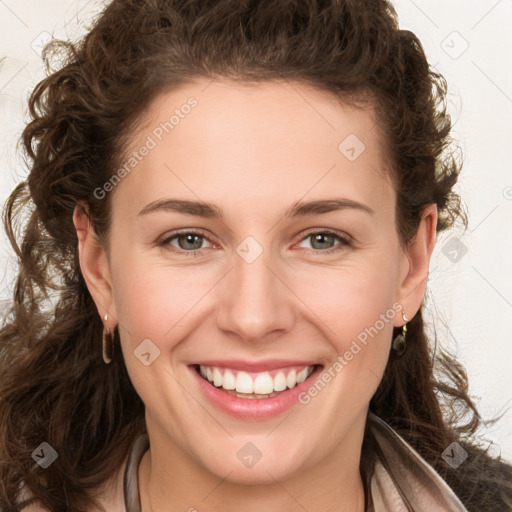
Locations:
(322, 239)
(189, 239)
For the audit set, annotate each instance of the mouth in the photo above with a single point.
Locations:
(254, 394)
(252, 385)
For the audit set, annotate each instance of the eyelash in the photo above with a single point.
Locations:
(344, 240)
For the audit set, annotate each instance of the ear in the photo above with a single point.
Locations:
(94, 265)
(415, 272)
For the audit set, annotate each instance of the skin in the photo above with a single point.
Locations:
(254, 150)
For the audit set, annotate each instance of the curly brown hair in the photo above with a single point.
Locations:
(53, 382)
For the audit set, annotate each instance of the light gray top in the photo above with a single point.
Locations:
(402, 481)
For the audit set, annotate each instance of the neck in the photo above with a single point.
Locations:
(169, 479)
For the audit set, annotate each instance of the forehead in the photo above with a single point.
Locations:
(224, 141)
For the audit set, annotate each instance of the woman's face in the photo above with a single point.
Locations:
(288, 262)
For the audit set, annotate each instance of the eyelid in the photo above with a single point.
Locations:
(328, 231)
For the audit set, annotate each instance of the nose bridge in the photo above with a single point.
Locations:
(254, 302)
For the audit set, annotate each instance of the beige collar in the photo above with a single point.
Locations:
(403, 481)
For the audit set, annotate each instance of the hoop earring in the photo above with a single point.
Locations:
(108, 343)
(399, 343)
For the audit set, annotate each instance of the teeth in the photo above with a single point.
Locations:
(217, 377)
(301, 376)
(263, 385)
(244, 383)
(228, 381)
(279, 382)
(251, 396)
(291, 379)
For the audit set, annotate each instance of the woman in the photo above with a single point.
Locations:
(233, 206)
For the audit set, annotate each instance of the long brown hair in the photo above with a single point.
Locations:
(54, 386)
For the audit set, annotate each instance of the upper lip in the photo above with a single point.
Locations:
(254, 366)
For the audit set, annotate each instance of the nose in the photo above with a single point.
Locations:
(255, 302)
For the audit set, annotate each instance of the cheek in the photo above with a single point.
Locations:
(351, 298)
(156, 303)
(355, 307)
(155, 300)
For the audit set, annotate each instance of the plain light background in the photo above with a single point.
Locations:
(469, 292)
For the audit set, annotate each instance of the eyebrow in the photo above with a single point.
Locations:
(298, 209)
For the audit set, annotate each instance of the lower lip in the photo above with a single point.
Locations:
(257, 408)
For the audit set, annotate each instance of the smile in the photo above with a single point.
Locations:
(254, 392)
(255, 385)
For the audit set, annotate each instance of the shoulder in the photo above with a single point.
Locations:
(482, 481)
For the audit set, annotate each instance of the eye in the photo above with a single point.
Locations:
(191, 242)
(186, 242)
(325, 241)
